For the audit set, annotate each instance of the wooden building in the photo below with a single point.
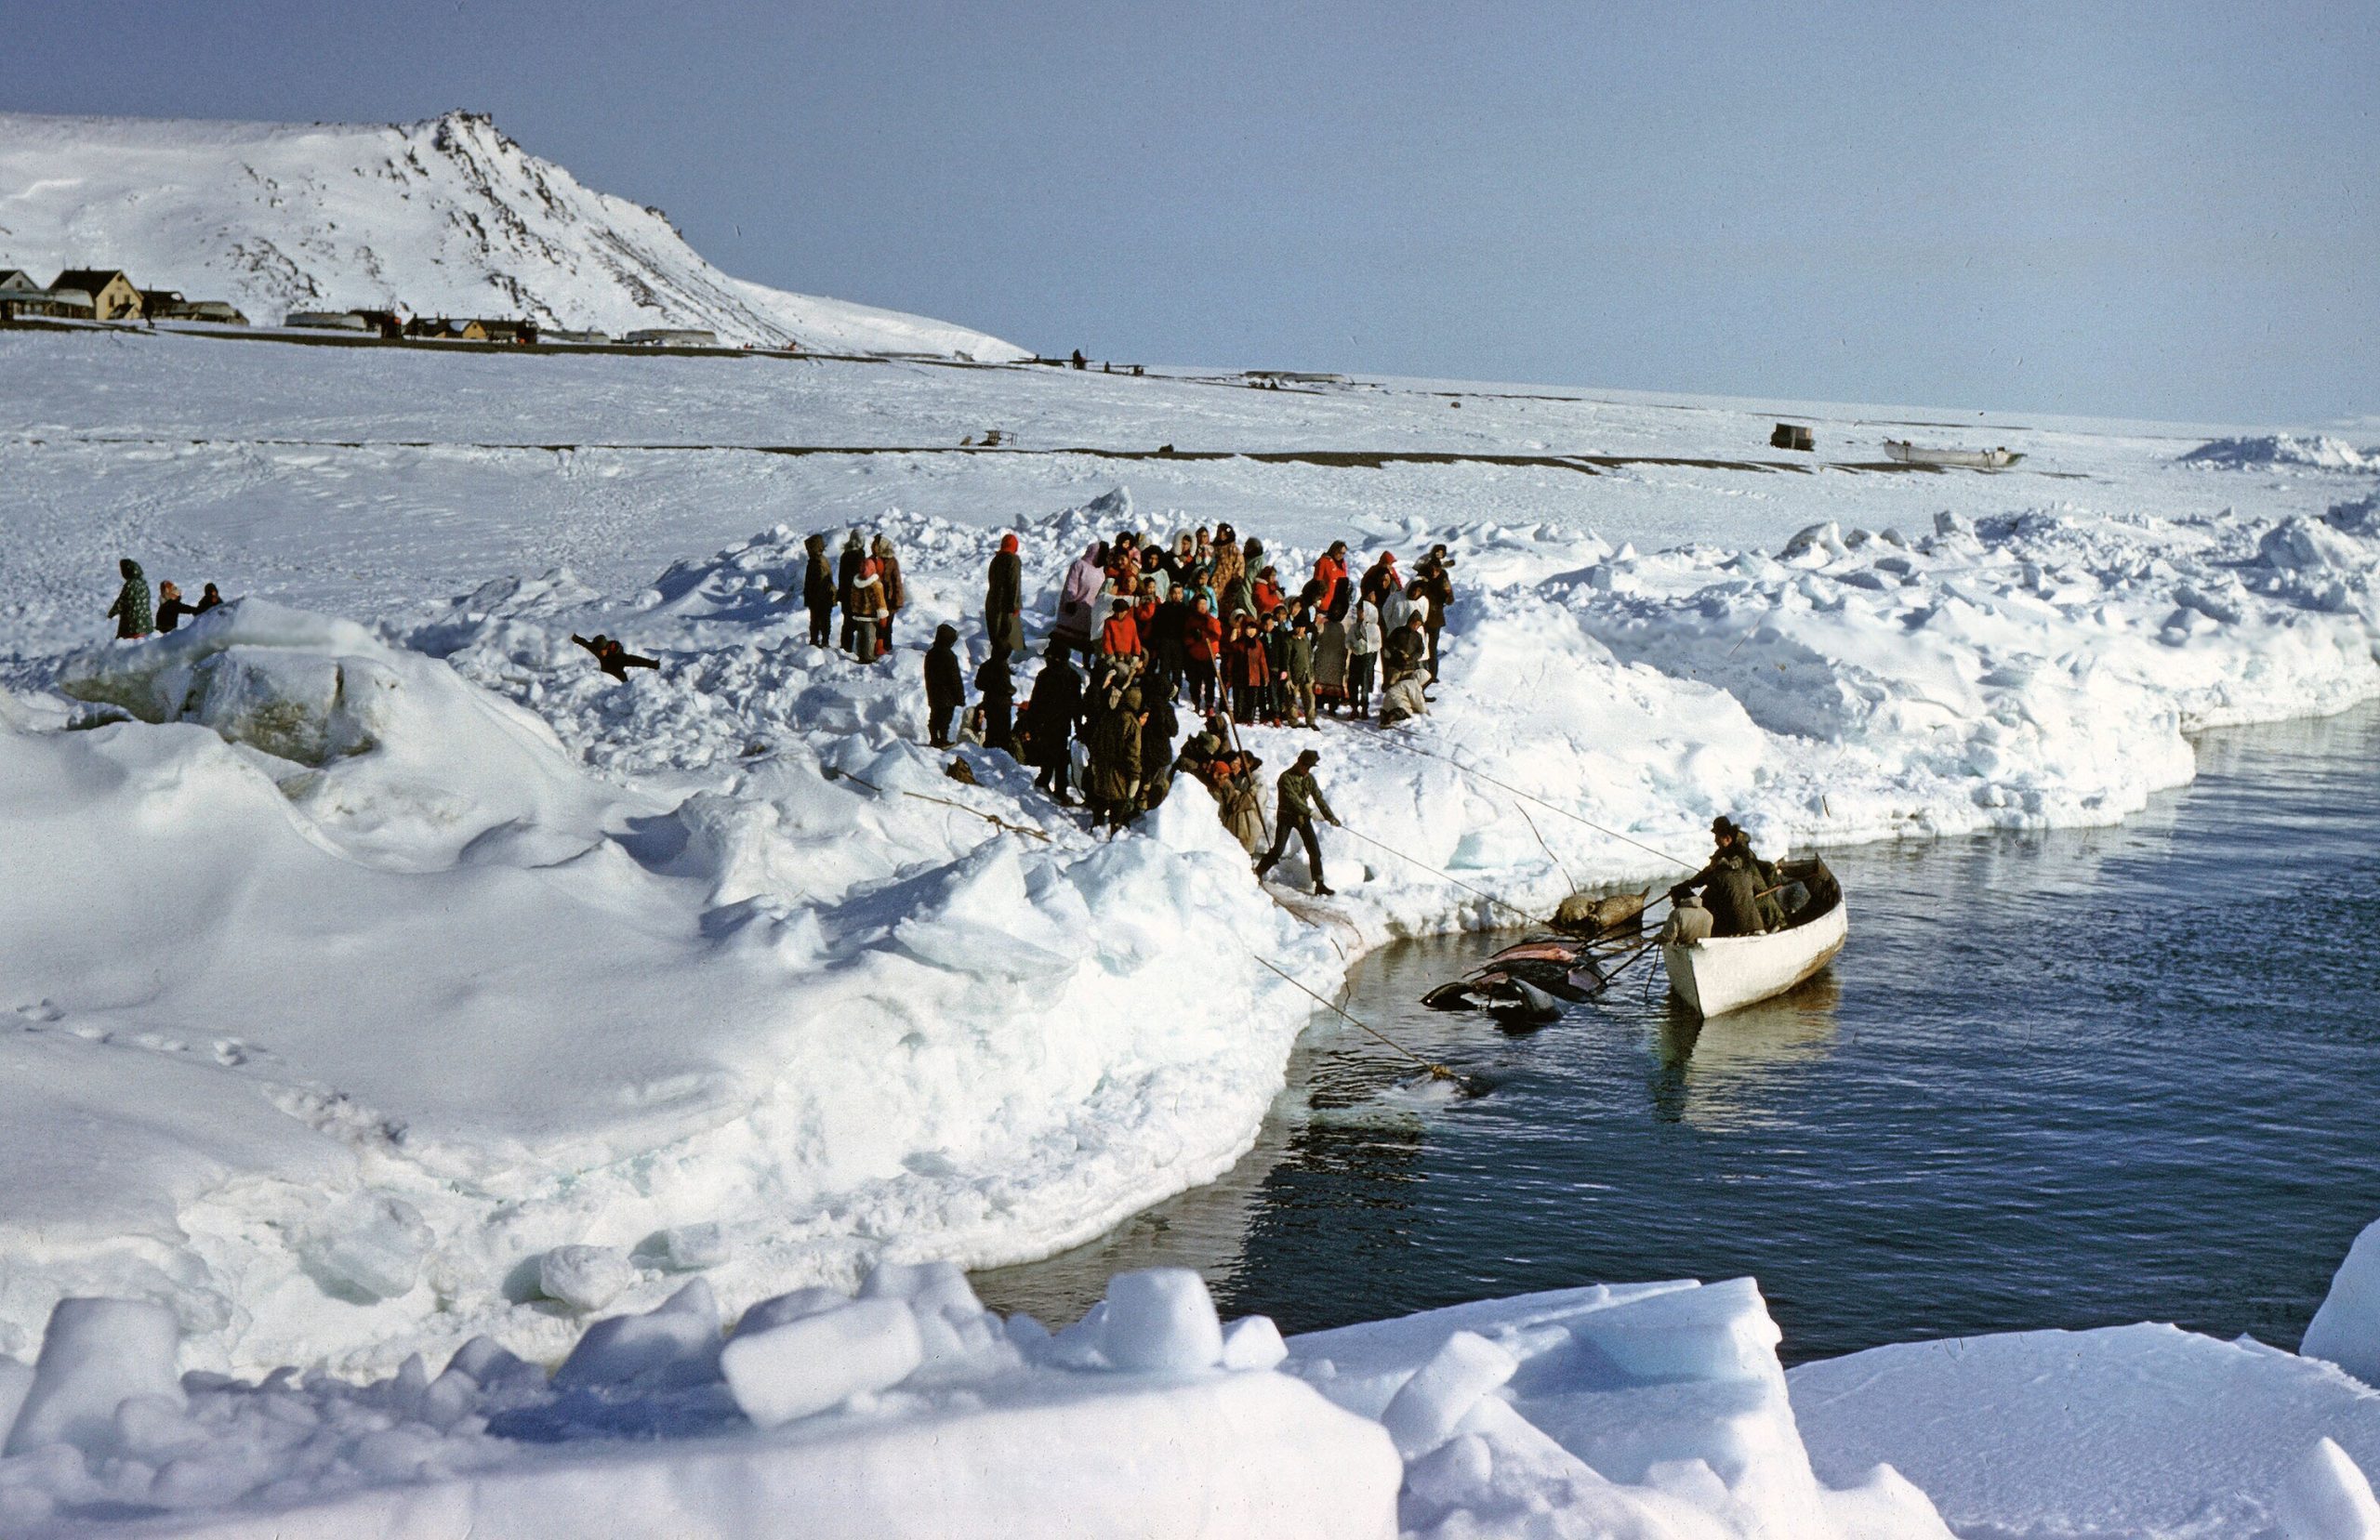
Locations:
(113, 296)
(17, 280)
(443, 329)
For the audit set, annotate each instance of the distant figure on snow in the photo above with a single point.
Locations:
(818, 590)
(209, 599)
(1004, 597)
(945, 685)
(998, 692)
(130, 610)
(612, 656)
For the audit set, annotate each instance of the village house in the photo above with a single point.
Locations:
(671, 337)
(391, 325)
(443, 329)
(113, 296)
(518, 333)
(21, 298)
(170, 305)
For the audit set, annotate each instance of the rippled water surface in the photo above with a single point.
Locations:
(2055, 1080)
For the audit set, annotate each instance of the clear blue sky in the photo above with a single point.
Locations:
(2167, 210)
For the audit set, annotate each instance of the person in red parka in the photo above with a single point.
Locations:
(1251, 673)
(1120, 638)
(1202, 645)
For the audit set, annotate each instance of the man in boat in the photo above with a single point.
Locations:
(1688, 921)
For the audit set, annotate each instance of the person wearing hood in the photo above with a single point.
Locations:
(1115, 776)
(1078, 595)
(999, 692)
(895, 596)
(818, 589)
(847, 566)
(1300, 798)
(945, 685)
(1365, 637)
(209, 599)
(1004, 598)
(130, 610)
(1202, 644)
(612, 655)
(1049, 718)
(1438, 591)
(864, 612)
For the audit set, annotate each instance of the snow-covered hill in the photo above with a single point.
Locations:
(446, 218)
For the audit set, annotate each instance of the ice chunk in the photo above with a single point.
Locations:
(674, 1344)
(1423, 1415)
(691, 1248)
(820, 1361)
(369, 1248)
(795, 1306)
(585, 1278)
(1160, 1319)
(2346, 1329)
(927, 1285)
(1253, 1342)
(95, 1354)
(15, 1380)
(2327, 1498)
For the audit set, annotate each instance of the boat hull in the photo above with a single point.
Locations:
(1729, 972)
(1967, 459)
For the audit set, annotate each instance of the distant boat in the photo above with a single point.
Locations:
(1729, 972)
(1972, 459)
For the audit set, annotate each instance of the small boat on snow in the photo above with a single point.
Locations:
(1970, 459)
(1727, 973)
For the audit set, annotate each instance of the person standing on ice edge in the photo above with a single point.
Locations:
(818, 590)
(945, 685)
(1300, 800)
(130, 610)
(1004, 598)
(892, 597)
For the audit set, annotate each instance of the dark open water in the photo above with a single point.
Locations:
(2068, 1079)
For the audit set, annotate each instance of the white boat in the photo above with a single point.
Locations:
(1727, 973)
(1972, 459)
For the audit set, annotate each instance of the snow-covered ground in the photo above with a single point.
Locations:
(387, 978)
(447, 217)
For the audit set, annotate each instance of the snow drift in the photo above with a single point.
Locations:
(442, 218)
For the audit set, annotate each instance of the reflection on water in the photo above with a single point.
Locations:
(1713, 1079)
(2058, 1079)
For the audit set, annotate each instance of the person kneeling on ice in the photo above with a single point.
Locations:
(611, 656)
(1300, 800)
(945, 685)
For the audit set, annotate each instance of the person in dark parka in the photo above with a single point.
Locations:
(945, 685)
(1300, 798)
(1157, 729)
(847, 568)
(818, 590)
(612, 656)
(130, 610)
(1004, 597)
(1115, 775)
(1050, 718)
(1733, 896)
(170, 607)
(999, 692)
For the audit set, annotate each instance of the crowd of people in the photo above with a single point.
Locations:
(1145, 631)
